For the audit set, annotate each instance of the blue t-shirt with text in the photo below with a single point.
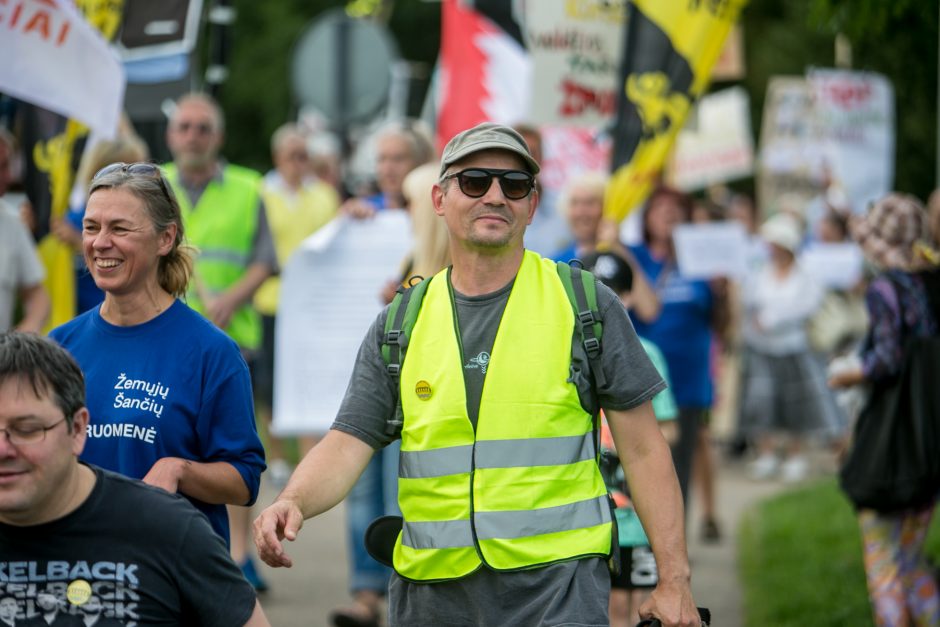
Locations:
(174, 386)
(683, 330)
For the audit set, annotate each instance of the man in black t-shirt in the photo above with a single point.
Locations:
(117, 551)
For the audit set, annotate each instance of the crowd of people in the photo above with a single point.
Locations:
(554, 493)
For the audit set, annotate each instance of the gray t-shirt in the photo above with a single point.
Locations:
(19, 263)
(573, 592)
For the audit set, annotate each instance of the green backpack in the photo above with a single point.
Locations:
(403, 312)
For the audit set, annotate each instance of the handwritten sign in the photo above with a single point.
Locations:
(575, 49)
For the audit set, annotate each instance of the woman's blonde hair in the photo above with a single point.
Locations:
(431, 251)
(127, 147)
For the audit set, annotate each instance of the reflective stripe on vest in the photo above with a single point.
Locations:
(222, 226)
(522, 490)
(497, 454)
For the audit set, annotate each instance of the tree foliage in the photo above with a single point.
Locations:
(258, 98)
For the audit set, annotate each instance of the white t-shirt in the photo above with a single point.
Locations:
(19, 262)
(776, 310)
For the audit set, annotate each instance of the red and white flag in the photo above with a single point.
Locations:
(485, 69)
(52, 57)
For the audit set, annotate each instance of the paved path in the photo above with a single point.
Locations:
(715, 581)
(303, 595)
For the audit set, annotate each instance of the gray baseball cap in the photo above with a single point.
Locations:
(486, 136)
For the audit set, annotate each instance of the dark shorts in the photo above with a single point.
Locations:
(262, 366)
(637, 569)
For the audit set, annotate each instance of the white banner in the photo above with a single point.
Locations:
(855, 114)
(575, 49)
(718, 147)
(53, 58)
(329, 297)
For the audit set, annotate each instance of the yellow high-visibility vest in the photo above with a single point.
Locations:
(523, 489)
(222, 226)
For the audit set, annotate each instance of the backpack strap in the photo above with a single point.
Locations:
(404, 308)
(582, 293)
(402, 314)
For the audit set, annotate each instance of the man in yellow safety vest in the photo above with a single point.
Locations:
(506, 520)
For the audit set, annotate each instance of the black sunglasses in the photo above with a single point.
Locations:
(475, 182)
(141, 168)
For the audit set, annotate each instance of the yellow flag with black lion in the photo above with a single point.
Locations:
(670, 47)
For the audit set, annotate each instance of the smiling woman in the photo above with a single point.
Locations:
(190, 394)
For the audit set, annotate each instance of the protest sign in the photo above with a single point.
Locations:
(329, 297)
(575, 49)
(837, 266)
(719, 147)
(855, 116)
(714, 249)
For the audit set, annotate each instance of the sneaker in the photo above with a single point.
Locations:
(764, 467)
(711, 532)
(278, 473)
(252, 576)
(794, 469)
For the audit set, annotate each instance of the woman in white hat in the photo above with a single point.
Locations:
(784, 395)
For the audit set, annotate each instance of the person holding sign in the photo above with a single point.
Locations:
(506, 519)
(784, 394)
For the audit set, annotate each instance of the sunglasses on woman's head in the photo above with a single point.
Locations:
(141, 168)
(475, 182)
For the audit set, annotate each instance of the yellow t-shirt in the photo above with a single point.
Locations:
(292, 217)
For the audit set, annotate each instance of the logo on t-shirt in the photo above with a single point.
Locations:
(480, 361)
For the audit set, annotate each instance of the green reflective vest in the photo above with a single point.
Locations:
(222, 226)
(524, 489)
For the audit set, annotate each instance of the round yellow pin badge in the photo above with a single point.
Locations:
(423, 390)
(78, 592)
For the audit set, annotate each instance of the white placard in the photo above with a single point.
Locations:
(833, 265)
(719, 148)
(329, 297)
(716, 249)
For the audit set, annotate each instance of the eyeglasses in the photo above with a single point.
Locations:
(203, 128)
(475, 182)
(141, 168)
(29, 434)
